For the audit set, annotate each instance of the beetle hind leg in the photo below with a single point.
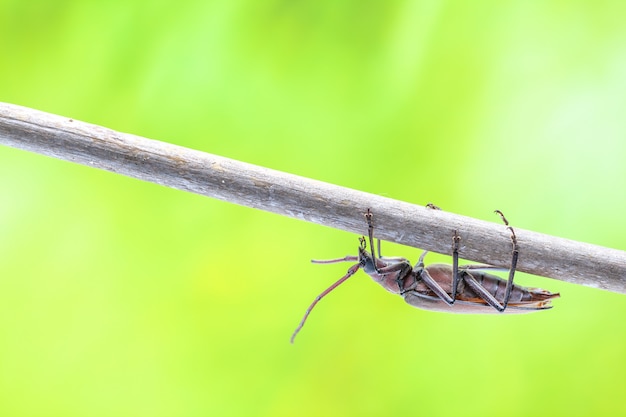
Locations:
(514, 256)
(464, 275)
(456, 239)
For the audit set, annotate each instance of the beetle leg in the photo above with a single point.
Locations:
(370, 233)
(482, 292)
(396, 266)
(455, 264)
(455, 259)
(391, 259)
(421, 273)
(433, 285)
(514, 256)
(400, 266)
(420, 261)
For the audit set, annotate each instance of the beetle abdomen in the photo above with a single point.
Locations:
(523, 299)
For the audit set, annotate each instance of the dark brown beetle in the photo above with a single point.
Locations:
(452, 288)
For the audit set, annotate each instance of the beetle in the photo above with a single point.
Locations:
(452, 288)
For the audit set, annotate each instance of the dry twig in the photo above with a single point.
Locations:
(306, 199)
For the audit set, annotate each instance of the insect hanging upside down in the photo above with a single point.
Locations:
(452, 288)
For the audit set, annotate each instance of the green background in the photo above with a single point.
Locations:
(124, 298)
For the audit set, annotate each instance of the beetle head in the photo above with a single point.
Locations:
(366, 260)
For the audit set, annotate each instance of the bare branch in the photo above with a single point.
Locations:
(306, 199)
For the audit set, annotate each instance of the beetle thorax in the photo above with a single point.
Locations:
(390, 280)
(367, 262)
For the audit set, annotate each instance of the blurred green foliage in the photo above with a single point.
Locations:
(123, 298)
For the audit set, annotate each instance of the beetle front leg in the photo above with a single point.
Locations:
(402, 269)
(370, 232)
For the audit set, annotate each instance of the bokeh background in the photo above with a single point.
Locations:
(124, 298)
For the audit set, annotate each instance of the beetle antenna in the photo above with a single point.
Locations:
(351, 272)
